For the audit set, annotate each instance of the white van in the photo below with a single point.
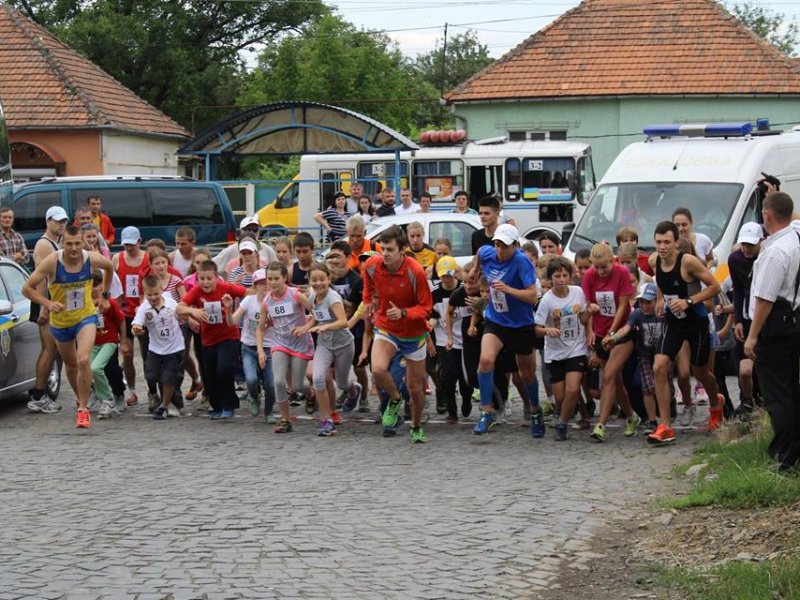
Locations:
(713, 170)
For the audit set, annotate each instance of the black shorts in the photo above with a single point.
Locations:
(601, 352)
(695, 333)
(740, 356)
(163, 368)
(559, 368)
(538, 343)
(518, 340)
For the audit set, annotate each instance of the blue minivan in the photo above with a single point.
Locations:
(157, 205)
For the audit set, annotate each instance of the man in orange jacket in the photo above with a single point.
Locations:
(102, 220)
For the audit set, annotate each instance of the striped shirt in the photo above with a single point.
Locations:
(337, 222)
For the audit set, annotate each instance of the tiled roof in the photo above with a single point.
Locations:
(637, 47)
(46, 84)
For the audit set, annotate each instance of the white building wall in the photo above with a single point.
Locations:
(129, 154)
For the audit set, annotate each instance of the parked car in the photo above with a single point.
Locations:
(457, 228)
(157, 205)
(19, 338)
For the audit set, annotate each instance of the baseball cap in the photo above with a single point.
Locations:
(446, 265)
(648, 292)
(56, 213)
(248, 244)
(750, 233)
(260, 275)
(247, 221)
(130, 235)
(367, 255)
(508, 234)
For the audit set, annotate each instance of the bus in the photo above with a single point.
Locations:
(6, 180)
(543, 184)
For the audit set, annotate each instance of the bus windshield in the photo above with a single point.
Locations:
(642, 206)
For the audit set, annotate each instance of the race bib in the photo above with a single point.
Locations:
(343, 290)
(569, 327)
(101, 321)
(213, 311)
(462, 312)
(321, 314)
(132, 286)
(166, 328)
(607, 304)
(75, 299)
(284, 309)
(499, 301)
(679, 314)
(250, 326)
(650, 333)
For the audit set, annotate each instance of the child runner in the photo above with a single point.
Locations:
(281, 316)
(110, 330)
(334, 345)
(560, 319)
(304, 251)
(465, 300)
(284, 252)
(163, 365)
(255, 376)
(191, 335)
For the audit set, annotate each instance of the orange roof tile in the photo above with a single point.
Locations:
(636, 47)
(44, 84)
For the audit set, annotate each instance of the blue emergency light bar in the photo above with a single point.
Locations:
(700, 130)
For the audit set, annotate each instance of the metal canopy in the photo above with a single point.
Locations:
(285, 128)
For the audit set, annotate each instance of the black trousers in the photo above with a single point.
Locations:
(778, 366)
(113, 372)
(220, 359)
(452, 375)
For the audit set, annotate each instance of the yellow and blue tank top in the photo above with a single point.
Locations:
(74, 291)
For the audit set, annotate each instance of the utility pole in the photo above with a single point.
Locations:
(442, 74)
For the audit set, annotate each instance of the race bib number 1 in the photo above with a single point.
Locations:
(75, 299)
(499, 300)
(213, 311)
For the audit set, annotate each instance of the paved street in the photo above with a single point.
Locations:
(191, 508)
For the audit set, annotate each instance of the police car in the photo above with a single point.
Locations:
(19, 338)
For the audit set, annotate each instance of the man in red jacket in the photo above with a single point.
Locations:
(102, 220)
(404, 303)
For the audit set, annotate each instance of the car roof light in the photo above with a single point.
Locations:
(700, 130)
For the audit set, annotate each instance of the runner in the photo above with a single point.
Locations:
(403, 307)
(508, 321)
(680, 300)
(73, 321)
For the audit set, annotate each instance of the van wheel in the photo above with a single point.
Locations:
(270, 231)
(54, 379)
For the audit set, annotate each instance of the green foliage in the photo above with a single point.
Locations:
(779, 578)
(775, 27)
(745, 475)
(180, 56)
(464, 57)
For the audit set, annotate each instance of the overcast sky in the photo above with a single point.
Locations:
(500, 24)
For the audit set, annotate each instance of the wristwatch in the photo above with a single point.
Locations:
(106, 295)
(689, 301)
(403, 313)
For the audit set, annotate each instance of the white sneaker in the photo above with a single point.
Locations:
(43, 405)
(172, 411)
(700, 393)
(94, 403)
(686, 418)
(120, 406)
(507, 409)
(106, 409)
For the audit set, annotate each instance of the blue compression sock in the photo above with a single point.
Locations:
(486, 386)
(533, 392)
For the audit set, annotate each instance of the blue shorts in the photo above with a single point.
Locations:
(411, 349)
(69, 334)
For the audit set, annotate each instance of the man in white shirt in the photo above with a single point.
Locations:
(407, 206)
(774, 338)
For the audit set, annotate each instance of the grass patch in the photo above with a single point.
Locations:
(744, 476)
(769, 580)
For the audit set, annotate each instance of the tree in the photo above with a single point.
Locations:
(179, 55)
(464, 57)
(773, 26)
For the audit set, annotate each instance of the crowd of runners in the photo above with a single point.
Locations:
(609, 336)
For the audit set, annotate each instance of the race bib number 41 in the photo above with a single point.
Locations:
(213, 311)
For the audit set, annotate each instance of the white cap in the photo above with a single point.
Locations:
(247, 221)
(130, 235)
(750, 233)
(260, 275)
(508, 234)
(248, 244)
(56, 213)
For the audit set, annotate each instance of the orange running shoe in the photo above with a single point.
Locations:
(661, 436)
(337, 420)
(715, 415)
(83, 420)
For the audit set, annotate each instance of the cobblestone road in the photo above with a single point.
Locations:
(191, 508)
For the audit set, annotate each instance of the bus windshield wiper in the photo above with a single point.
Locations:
(583, 237)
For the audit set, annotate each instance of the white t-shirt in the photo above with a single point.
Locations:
(250, 312)
(563, 313)
(115, 289)
(399, 209)
(703, 245)
(162, 325)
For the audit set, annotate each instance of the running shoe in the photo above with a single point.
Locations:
(363, 405)
(326, 428)
(83, 419)
(173, 411)
(390, 415)
(294, 399)
(351, 398)
(43, 405)
(161, 413)
(311, 402)
(284, 426)
(131, 399)
(336, 418)
(537, 424)
(599, 433)
(715, 418)
(476, 396)
(106, 409)
(548, 408)
(255, 406)
(196, 388)
(466, 406)
(418, 435)
(686, 418)
(561, 432)
(650, 427)
(271, 420)
(391, 430)
(152, 402)
(226, 414)
(215, 414)
(700, 393)
(661, 436)
(582, 424)
(485, 423)
(631, 424)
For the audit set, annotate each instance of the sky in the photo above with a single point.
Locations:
(500, 24)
